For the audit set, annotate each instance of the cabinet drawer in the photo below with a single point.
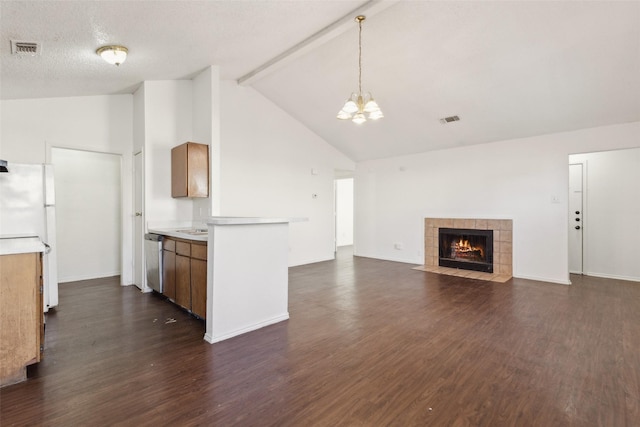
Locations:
(183, 248)
(199, 251)
(169, 245)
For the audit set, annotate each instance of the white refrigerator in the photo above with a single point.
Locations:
(27, 208)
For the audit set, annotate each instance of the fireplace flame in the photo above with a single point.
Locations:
(463, 248)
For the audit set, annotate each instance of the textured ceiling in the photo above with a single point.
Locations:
(166, 40)
(508, 69)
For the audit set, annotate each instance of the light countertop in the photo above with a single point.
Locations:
(200, 233)
(16, 244)
(183, 233)
(239, 220)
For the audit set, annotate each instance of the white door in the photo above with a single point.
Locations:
(576, 223)
(88, 191)
(138, 226)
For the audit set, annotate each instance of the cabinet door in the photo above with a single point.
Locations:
(190, 170)
(199, 287)
(198, 170)
(169, 274)
(179, 171)
(20, 315)
(183, 281)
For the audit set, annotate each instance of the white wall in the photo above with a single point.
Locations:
(266, 170)
(138, 120)
(344, 212)
(87, 185)
(206, 130)
(266, 158)
(515, 179)
(611, 213)
(29, 128)
(168, 121)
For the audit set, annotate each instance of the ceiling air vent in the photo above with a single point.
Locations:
(449, 119)
(25, 48)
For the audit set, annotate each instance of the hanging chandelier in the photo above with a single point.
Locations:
(360, 106)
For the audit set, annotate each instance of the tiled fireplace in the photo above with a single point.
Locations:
(460, 256)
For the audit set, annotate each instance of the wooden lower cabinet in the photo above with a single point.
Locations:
(199, 285)
(169, 269)
(21, 315)
(183, 281)
(185, 274)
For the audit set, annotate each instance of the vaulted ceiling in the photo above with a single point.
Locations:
(507, 69)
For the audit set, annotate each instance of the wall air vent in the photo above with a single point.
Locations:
(25, 48)
(449, 119)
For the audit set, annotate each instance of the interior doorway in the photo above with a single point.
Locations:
(344, 213)
(610, 195)
(88, 213)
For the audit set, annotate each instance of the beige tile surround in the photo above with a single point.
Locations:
(502, 247)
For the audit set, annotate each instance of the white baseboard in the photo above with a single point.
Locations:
(214, 339)
(613, 276)
(394, 259)
(87, 277)
(311, 261)
(543, 279)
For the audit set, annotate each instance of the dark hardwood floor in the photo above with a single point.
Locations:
(369, 343)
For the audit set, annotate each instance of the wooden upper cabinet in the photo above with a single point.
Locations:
(190, 170)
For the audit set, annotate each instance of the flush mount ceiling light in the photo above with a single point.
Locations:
(114, 55)
(360, 107)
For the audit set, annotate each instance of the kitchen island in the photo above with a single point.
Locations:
(246, 272)
(247, 275)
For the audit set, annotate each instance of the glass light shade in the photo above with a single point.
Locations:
(375, 115)
(371, 106)
(350, 106)
(343, 115)
(114, 55)
(359, 118)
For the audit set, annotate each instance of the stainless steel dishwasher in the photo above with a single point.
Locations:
(153, 261)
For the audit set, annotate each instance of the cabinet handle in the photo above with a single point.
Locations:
(138, 213)
(577, 227)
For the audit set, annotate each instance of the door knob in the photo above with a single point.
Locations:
(138, 213)
(577, 227)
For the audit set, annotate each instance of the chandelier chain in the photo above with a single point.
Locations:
(359, 56)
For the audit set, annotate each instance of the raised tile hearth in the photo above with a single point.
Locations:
(502, 247)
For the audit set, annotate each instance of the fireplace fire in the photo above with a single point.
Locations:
(466, 249)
